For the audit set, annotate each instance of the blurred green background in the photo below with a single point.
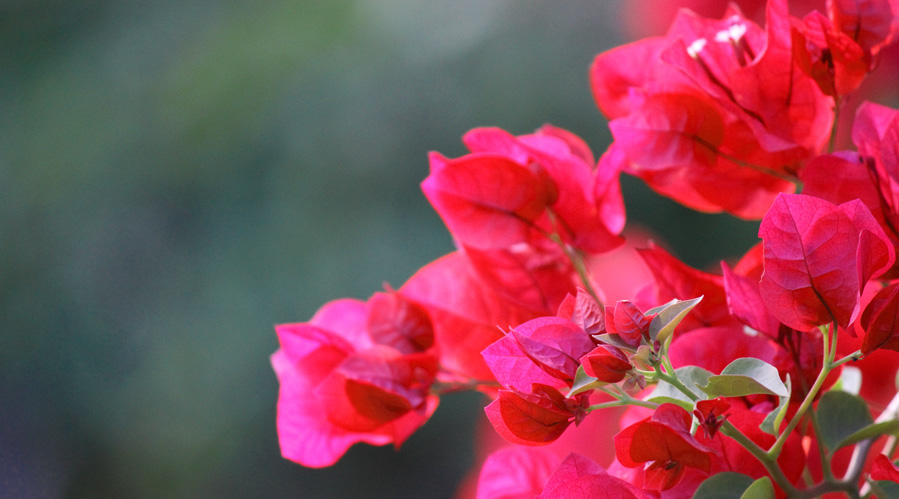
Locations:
(176, 177)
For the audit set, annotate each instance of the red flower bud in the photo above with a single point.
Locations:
(606, 363)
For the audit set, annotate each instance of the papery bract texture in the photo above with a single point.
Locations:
(488, 201)
(664, 440)
(516, 473)
(671, 130)
(341, 385)
(880, 321)
(842, 177)
(535, 418)
(626, 322)
(374, 387)
(512, 190)
(584, 311)
(744, 299)
(554, 344)
(579, 477)
(870, 175)
(711, 414)
(715, 114)
(399, 323)
(606, 363)
(884, 469)
(818, 257)
(465, 312)
(535, 276)
(874, 133)
(871, 23)
(836, 62)
(543, 350)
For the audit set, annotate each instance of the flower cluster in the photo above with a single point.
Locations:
(773, 377)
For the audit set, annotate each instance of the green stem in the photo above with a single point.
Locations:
(775, 449)
(665, 372)
(621, 399)
(672, 380)
(613, 391)
(830, 344)
(769, 463)
(854, 356)
(825, 487)
(728, 428)
(666, 363)
(807, 477)
(622, 403)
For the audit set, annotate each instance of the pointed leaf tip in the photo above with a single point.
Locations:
(746, 376)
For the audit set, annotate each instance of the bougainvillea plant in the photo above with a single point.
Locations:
(775, 377)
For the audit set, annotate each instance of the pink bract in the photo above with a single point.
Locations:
(818, 258)
(338, 387)
(707, 116)
(546, 310)
(664, 440)
(510, 189)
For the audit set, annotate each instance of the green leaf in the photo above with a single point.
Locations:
(727, 485)
(841, 414)
(655, 310)
(760, 489)
(583, 382)
(692, 377)
(668, 316)
(773, 420)
(613, 340)
(875, 430)
(746, 376)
